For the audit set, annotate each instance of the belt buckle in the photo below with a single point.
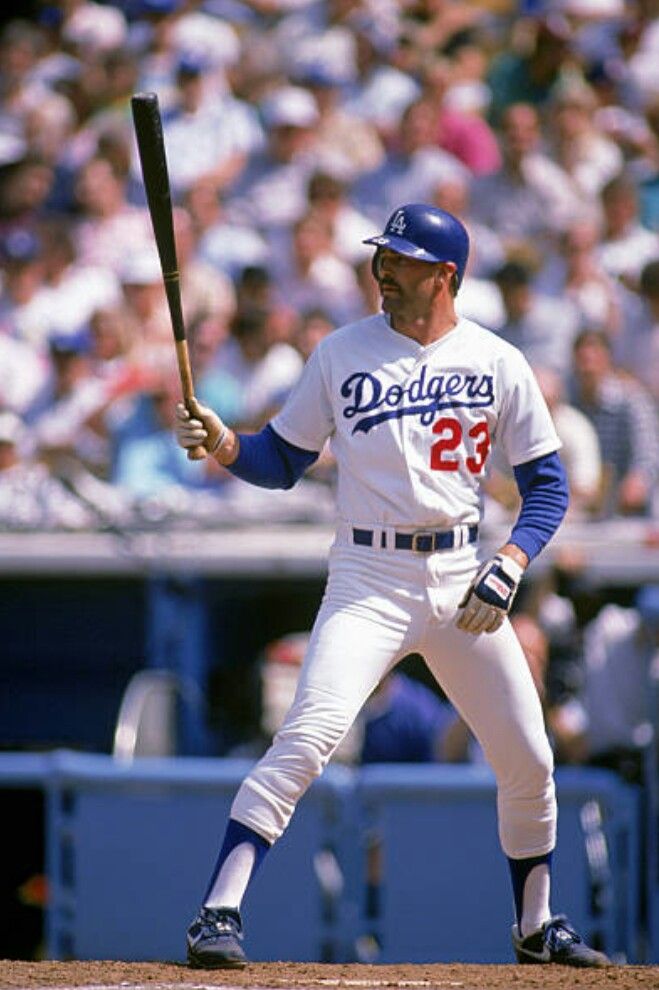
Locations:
(423, 535)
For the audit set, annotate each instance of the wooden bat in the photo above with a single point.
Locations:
(153, 159)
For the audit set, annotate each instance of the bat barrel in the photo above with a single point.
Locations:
(153, 159)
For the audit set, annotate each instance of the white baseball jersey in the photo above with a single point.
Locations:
(411, 427)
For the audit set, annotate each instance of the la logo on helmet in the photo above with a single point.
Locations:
(398, 223)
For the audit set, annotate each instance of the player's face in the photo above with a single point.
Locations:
(408, 286)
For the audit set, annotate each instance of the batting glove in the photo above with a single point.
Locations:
(199, 426)
(489, 597)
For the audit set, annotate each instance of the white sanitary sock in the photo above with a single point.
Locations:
(535, 905)
(231, 882)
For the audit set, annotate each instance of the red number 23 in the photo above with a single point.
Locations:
(450, 438)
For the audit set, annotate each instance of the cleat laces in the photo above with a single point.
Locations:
(559, 934)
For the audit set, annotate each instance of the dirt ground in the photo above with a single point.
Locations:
(309, 976)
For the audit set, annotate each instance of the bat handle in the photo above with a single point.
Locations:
(187, 388)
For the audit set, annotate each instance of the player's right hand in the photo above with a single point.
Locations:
(198, 426)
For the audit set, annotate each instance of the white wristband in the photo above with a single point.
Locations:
(220, 440)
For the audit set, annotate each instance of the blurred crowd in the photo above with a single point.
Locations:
(293, 128)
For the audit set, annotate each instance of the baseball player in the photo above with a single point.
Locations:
(412, 400)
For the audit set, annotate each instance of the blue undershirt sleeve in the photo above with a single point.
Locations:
(267, 460)
(542, 483)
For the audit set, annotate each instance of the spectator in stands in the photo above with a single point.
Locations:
(145, 304)
(530, 199)
(115, 360)
(153, 37)
(91, 27)
(328, 197)
(347, 144)
(609, 722)
(264, 371)
(107, 223)
(228, 246)
(580, 450)
(433, 27)
(580, 455)
(486, 249)
(255, 289)
(204, 289)
(22, 312)
(587, 155)
(412, 168)
(30, 497)
(22, 373)
(309, 274)
(207, 334)
(626, 245)
(120, 70)
(26, 185)
(313, 326)
(575, 272)
(404, 722)
(206, 135)
(62, 416)
(146, 460)
(462, 131)
(381, 91)
(542, 327)
(646, 169)
(22, 91)
(271, 190)
(625, 419)
(528, 71)
(72, 291)
(637, 348)
(111, 340)
(479, 298)
(642, 49)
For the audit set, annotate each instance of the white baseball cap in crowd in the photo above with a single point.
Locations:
(140, 267)
(12, 428)
(598, 9)
(290, 106)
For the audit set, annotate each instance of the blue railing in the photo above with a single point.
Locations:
(385, 864)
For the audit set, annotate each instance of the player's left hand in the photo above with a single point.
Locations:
(489, 597)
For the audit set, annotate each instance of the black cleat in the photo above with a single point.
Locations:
(214, 939)
(556, 942)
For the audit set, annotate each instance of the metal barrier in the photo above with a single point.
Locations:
(435, 832)
(131, 847)
(387, 863)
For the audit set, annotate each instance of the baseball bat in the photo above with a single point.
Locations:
(153, 159)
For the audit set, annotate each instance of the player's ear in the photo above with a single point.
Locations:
(375, 264)
(446, 272)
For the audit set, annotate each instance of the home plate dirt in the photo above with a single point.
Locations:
(318, 976)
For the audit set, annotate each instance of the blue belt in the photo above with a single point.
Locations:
(423, 541)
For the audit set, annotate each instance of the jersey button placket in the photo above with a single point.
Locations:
(411, 431)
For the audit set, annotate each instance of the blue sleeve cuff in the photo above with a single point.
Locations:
(267, 460)
(542, 483)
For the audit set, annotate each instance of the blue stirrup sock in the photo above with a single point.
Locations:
(227, 886)
(519, 873)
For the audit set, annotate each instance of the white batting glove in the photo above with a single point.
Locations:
(490, 595)
(199, 426)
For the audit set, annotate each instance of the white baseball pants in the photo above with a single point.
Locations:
(379, 606)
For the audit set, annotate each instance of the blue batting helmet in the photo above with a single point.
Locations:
(427, 233)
